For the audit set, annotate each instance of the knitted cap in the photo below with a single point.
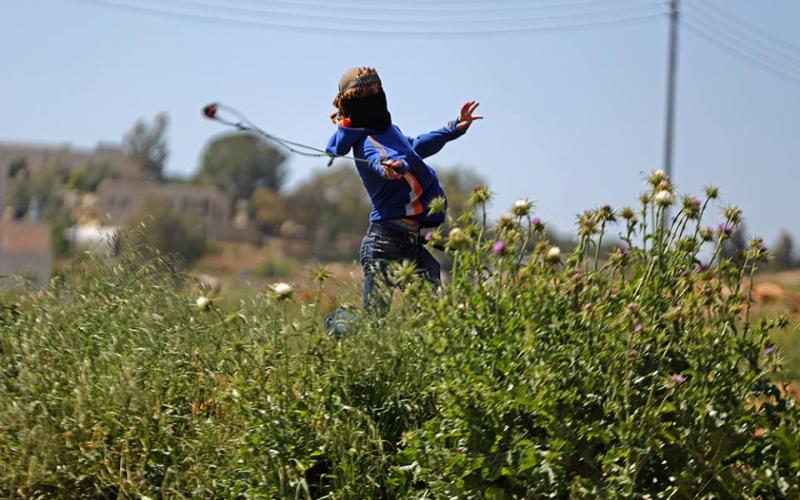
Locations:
(359, 78)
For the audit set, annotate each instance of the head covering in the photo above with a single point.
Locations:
(358, 78)
(352, 101)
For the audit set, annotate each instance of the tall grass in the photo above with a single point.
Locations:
(532, 374)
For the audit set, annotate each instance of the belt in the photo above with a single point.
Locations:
(412, 236)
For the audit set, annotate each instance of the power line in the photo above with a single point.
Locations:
(431, 5)
(745, 36)
(740, 53)
(237, 10)
(766, 56)
(737, 20)
(252, 24)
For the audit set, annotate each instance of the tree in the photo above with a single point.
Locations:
(87, 177)
(734, 246)
(147, 144)
(458, 182)
(269, 209)
(239, 163)
(333, 200)
(782, 256)
(159, 226)
(38, 191)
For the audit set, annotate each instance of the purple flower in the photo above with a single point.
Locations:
(685, 273)
(678, 378)
(638, 328)
(703, 267)
(769, 350)
(429, 236)
(697, 201)
(537, 223)
(624, 251)
(725, 229)
(499, 247)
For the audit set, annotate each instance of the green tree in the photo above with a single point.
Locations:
(333, 200)
(239, 163)
(458, 182)
(38, 190)
(87, 177)
(782, 253)
(159, 226)
(270, 209)
(147, 144)
(734, 247)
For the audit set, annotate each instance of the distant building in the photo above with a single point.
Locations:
(25, 251)
(16, 156)
(119, 201)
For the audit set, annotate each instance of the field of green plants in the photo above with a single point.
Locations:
(534, 373)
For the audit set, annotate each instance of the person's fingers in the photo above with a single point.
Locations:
(474, 106)
(477, 117)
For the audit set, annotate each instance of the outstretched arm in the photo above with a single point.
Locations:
(431, 143)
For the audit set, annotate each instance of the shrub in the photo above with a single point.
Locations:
(639, 373)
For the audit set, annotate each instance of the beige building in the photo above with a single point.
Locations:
(119, 201)
(25, 251)
(37, 156)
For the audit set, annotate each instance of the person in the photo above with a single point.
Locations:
(400, 184)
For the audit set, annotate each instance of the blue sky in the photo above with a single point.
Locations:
(573, 117)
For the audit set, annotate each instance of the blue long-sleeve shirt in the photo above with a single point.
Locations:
(409, 196)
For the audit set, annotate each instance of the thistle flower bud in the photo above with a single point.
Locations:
(522, 208)
(322, 273)
(587, 222)
(553, 255)
(691, 207)
(606, 214)
(725, 230)
(480, 196)
(733, 214)
(438, 205)
(506, 220)
(656, 177)
(712, 193)
(537, 224)
(664, 198)
(757, 251)
(664, 186)
(628, 214)
(282, 291)
(644, 198)
(457, 239)
(707, 234)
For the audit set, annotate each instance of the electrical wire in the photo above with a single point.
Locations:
(740, 53)
(767, 56)
(744, 36)
(431, 6)
(249, 23)
(249, 11)
(703, 4)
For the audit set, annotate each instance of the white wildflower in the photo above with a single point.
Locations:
(664, 198)
(202, 303)
(282, 291)
(522, 208)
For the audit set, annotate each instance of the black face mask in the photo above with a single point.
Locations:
(368, 111)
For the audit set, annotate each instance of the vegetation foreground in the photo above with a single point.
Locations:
(534, 373)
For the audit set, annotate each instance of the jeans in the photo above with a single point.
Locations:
(382, 246)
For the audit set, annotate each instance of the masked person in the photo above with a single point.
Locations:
(400, 185)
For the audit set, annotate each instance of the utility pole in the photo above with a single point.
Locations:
(671, 70)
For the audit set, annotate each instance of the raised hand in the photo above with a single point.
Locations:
(390, 169)
(465, 118)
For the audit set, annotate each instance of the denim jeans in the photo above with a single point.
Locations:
(379, 249)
